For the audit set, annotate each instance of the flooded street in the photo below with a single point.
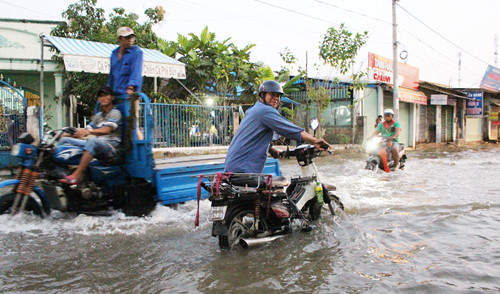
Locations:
(433, 228)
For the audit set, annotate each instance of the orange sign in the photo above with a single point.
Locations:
(412, 96)
(380, 69)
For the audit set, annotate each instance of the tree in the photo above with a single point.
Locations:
(339, 49)
(212, 66)
(87, 22)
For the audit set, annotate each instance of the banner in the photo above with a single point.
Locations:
(94, 64)
(381, 69)
(474, 107)
(491, 79)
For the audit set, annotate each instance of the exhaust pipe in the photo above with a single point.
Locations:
(246, 243)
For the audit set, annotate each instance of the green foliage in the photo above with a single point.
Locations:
(287, 113)
(213, 66)
(340, 47)
(87, 22)
(333, 137)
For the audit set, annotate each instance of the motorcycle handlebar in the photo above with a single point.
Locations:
(297, 151)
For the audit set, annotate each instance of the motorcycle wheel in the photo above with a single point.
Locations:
(7, 200)
(314, 210)
(241, 222)
(371, 166)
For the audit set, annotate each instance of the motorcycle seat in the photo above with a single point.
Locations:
(257, 181)
(329, 187)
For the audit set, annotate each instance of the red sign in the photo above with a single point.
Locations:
(380, 69)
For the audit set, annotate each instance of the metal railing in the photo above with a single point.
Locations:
(191, 125)
(12, 115)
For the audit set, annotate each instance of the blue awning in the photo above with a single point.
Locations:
(93, 57)
(288, 100)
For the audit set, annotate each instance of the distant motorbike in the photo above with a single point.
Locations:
(380, 155)
(252, 209)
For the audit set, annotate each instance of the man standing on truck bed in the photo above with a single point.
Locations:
(247, 152)
(125, 74)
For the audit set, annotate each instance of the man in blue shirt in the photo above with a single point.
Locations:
(247, 152)
(125, 74)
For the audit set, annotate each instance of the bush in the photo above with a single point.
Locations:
(336, 136)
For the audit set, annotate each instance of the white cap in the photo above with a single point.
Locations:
(388, 111)
(124, 32)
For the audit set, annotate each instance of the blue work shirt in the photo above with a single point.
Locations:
(127, 71)
(248, 150)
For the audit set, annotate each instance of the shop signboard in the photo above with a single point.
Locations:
(474, 106)
(412, 96)
(439, 99)
(493, 116)
(491, 79)
(380, 69)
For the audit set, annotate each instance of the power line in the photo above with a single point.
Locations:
(296, 12)
(24, 8)
(352, 11)
(437, 33)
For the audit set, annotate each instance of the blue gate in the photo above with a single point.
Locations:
(12, 115)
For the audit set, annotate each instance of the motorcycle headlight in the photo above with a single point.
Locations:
(15, 150)
(372, 144)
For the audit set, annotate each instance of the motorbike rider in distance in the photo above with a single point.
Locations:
(247, 152)
(390, 129)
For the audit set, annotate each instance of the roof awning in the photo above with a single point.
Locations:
(93, 57)
(288, 100)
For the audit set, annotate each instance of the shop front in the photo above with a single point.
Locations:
(474, 116)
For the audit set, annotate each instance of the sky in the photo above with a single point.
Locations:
(432, 32)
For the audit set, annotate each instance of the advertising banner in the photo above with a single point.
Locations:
(474, 107)
(380, 69)
(491, 79)
(94, 64)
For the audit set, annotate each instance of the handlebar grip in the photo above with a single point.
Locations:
(325, 146)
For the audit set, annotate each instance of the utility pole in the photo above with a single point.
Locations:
(306, 79)
(459, 69)
(496, 51)
(395, 97)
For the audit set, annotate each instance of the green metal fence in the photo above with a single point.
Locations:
(191, 125)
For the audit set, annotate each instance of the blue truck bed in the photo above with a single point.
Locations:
(177, 178)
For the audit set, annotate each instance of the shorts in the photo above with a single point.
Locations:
(395, 145)
(97, 147)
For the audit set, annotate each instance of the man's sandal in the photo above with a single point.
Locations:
(69, 180)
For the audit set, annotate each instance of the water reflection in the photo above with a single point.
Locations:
(431, 228)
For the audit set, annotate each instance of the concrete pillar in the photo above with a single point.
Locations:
(380, 100)
(413, 125)
(59, 93)
(438, 123)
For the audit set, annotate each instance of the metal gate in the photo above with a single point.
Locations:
(446, 123)
(12, 115)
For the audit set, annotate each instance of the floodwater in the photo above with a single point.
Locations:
(433, 228)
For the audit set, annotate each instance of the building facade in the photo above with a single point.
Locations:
(20, 48)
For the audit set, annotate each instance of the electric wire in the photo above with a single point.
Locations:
(437, 33)
(27, 9)
(354, 12)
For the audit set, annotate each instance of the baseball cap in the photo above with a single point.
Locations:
(124, 32)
